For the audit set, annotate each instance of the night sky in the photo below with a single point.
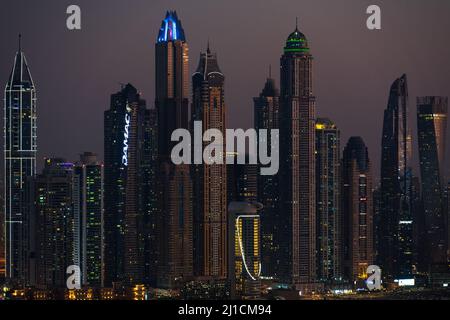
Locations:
(76, 71)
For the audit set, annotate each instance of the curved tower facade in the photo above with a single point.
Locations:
(396, 215)
(432, 113)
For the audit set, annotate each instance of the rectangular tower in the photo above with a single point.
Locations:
(328, 233)
(357, 210)
(297, 166)
(88, 215)
(266, 116)
(127, 201)
(210, 180)
(55, 223)
(174, 225)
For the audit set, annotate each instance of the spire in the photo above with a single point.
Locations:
(20, 74)
(296, 42)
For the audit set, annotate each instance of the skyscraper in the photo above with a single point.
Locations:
(175, 244)
(55, 223)
(210, 180)
(88, 186)
(136, 186)
(328, 211)
(244, 230)
(297, 165)
(148, 197)
(396, 256)
(2, 233)
(266, 116)
(127, 189)
(20, 147)
(357, 210)
(431, 128)
(244, 257)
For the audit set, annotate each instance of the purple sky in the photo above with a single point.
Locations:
(76, 71)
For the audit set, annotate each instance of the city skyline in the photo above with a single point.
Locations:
(335, 48)
(140, 224)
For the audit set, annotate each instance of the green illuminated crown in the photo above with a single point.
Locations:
(296, 42)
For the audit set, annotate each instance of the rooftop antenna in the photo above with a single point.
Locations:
(20, 42)
(296, 23)
(270, 71)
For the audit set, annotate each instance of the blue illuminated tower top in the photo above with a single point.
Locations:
(171, 28)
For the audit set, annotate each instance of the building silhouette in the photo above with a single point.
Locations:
(266, 116)
(88, 207)
(128, 197)
(174, 222)
(357, 210)
(54, 222)
(432, 113)
(20, 148)
(297, 164)
(328, 211)
(396, 251)
(209, 180)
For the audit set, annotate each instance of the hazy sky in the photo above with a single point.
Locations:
(76, 71)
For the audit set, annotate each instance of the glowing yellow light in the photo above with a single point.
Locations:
(320, 126)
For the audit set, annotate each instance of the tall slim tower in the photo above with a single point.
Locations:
(396, 256)
(88, 186)
(266, 116)
(328, 211)
(210, 180)
(2, 233)
(357, 209)
(20, 148)
(432, 113)
(175, 261)
(297, 119)
(127, 160)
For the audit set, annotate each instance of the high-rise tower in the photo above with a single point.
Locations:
(297, 166)
(175, 255)
(266, 116)
(127, 197)
(210, 180)
(357, 210)
(20, 148)
(55, 223)
(329, 229)
(432, 113)
(395, 240)
(88, 186)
